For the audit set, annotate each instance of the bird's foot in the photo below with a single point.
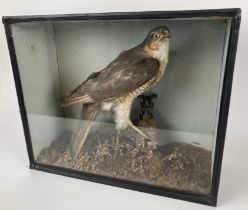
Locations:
(140, 143)
(150, 147)
(116, 142)
(149, 150)
(147, 142)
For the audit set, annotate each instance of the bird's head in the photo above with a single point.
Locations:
(157, 38)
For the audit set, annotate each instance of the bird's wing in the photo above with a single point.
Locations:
(123, 75)
(76, 96)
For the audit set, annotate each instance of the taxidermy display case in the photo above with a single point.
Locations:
(136, 100)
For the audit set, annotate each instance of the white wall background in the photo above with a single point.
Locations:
(24, 189)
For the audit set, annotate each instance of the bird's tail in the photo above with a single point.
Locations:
(82, 130)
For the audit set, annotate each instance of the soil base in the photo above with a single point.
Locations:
(179, 166)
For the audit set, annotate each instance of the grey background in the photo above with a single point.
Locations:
(37, 62)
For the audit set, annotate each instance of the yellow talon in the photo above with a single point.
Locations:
(139, 131)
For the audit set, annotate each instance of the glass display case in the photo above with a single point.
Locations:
(136, 100)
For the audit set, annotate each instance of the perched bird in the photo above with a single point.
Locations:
(147, 122)
(115, 87)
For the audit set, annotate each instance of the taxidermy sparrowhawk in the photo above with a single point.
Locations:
(115, 87)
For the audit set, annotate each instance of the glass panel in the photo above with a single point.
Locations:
(167, 139)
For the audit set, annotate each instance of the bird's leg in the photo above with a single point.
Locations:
(117, 138)
(139, 131)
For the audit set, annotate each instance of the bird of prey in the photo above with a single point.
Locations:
(116, 86)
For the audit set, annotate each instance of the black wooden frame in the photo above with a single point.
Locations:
(211, 198)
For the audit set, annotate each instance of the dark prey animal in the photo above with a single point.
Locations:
(147, 122)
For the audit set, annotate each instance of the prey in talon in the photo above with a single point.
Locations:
(147, 122)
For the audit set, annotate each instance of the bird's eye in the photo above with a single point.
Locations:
(156, 35)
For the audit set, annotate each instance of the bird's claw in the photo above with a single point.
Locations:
(146, 141)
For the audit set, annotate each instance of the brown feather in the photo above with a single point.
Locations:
(130, 70)
(83, 128)
(76, 98)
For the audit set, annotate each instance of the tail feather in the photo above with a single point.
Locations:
(82, 130)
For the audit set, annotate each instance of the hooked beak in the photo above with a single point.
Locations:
(166, 36)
